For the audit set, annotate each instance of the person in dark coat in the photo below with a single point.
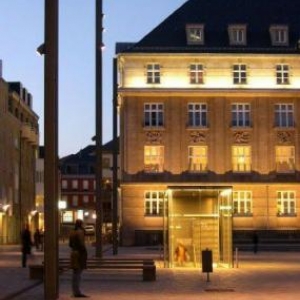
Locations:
(26, 244)
(78, 257)
(37, 239)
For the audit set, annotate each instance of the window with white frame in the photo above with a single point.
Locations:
(286, 203)
(197, 114)
(240, 114)
(279, 35)
(197, 160)
(242, 202)
(285, 159)
(196, 74)
(195, 34)
(237, 34)
(239, 74)
(74, 184)
(282, 74)
(241, 158)
(154, 203)
(153, 114)
(153, 159)
(153, 73)
(284, 115)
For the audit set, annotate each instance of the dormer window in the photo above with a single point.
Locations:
(279, 35)
(237, 34)
(195, 34)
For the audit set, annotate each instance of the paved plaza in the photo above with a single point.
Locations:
(265, 275)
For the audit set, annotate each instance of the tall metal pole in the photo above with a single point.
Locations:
(115, 158)
(99, 192)
(51, 149)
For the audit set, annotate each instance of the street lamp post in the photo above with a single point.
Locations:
(51, 149)
(98, 87)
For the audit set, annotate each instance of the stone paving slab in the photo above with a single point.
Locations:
(265, 276)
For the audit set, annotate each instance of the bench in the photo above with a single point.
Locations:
(147, 266)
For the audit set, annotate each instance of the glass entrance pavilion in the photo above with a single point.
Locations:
(197, 219)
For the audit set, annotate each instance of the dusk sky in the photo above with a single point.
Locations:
(22, 31)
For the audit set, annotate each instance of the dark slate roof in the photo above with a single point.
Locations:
(216, 15)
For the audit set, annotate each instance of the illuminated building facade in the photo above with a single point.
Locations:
(209, 134)
(19, 138)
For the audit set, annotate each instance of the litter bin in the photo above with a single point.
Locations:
(207, 262)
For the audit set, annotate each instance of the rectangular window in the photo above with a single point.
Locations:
(282, 74)
(240, 114)
(154, 159)
(197, 159)
(279, 35)
(85, 185)
(284, 115)
(196, 74)
(241, 158)
(197, 114)
(195, 34)
(75, 184)
(153, 73)
(64, 184)
(153, 115)
(154, 203)
(85, 199)
(242, 203)
(237, 34)
(75, 200)
(285, 159)
(239, 74)
(286, 203)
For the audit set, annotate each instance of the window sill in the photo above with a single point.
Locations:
(243, 215)
(149, 128)
(280, 215)
(153, 216)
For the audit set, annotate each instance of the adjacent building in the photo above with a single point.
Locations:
(19, 139)
(209, 109)
(78, 186)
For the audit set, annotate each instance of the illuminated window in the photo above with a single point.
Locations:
(279, 35)
(197, 158)
(239, 74)
(282, 74)
(153, 159)
(240, 114)
(153, 73)
(286, 203)
(241, 158)
(197, 114)
(154, 203)
(285, 159)
(237, 34)
(242, 203)
(85, 199)
(284, 115)
(195, 34)
(153, 115)
(196, 74)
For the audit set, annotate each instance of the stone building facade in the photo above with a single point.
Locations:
(19, 138)
(210, 103)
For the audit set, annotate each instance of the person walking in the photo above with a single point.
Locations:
(78, 257)
(255, 242)
(26, 244)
